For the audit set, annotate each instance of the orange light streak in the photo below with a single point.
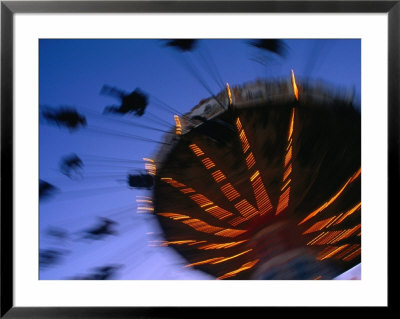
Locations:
(174, 216)
(165, 243)
(229, 258)
(347, 251)
(238, 125)
(336, 218)
(228, 90)
(352, 255)
(218, 212)
(173, 182)
(332, 253)
(245, 142)
(283, 201)
(348, 213)
(222, 246)
(207, 261)
(250, 161)
(231, 232)
(187, 190)
(286, 184)
(257, 173)
(263, 202)
(291, 126)
(218, 176)
(246, 209)
(288, 156)
(294, 85)
(196, 150)
(201, 200)
(329, 202)
(347, 233)
(144, 201)
(178, 129)
(312, 241)
(230, 192)
(287, 172)
(208, 163)
(242, 268)
(319, 225)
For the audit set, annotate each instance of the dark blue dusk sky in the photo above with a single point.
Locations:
(72, 73)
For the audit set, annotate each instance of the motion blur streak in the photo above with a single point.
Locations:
(328, 203)
(244, 267)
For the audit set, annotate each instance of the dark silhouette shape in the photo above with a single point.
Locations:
(182, 44)
(140, 181)
(71, 164)
(271, 45)
(65, 116)
(135, 102)
(102, 230)
(57, 233)
(50, 257)
(101, 273)
(46, 189)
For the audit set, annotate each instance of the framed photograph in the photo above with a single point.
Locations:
(165, 157)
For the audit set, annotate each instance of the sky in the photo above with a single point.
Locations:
(73, 72)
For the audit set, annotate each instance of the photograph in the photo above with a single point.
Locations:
(199, 159)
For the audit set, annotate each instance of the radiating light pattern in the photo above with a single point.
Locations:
(263, 203)
(260, 193)
(200, 199)
(333, 198)
(244, 267)
(228, 189)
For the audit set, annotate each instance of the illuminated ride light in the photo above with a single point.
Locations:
(294, 86)
(333, 198)
(178, 130)
(327, 242)
(244, 267)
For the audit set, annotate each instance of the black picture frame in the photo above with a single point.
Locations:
(9, 8)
